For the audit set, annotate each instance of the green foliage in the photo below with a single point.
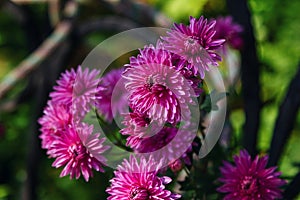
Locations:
(211, 100)
(112, 133)
(13, 151)
(276, 26)
(201, 181)
(179, 10)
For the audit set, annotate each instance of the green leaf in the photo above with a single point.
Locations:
(211, 100)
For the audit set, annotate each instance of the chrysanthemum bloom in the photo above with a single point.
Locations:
(79, 151)
(139, 181)
(250, 179)
(152, 143)
(54, 122)
(226, 28)
(186, 69)
(195, 44)
(139, 125)
(156, 88)
(109, 105)
(157, 140)
(77, 89)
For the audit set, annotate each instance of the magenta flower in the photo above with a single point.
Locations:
(152, 143)
(139, 125)
(145, 136)
(226, 28)
(79, 151)
(108, 104)
(77, 90)
(186, 69)
(250, 179)
(54, 122)
(194, 44)
(156, 88)
(139, 181)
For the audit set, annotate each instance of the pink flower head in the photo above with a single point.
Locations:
(139, 181)
(226, 28)
(194, 44)
(156, 88)
(108, 104)
(77, 89)
(149, 137)
(79, 151)
(139, 125)
(250, 179)
(186, 69)
(153, 143)
(54, 122)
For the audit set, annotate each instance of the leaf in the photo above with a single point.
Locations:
(214, 96)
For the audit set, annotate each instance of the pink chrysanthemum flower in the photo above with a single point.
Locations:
(152, 143)
(226, 28)
(195, 44)
(145, 136)
(77, 90)
(156, 88)
(186, 69)
(54, 122)
(108, 104)
(250, 179)
(139, 125)
(79, 151)
(139, 181)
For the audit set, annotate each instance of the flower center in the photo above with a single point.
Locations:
(190, 41)
(79, 88)
(249, 184)
(138, 193)
(192, 46)
(150, 82)
(77, 150)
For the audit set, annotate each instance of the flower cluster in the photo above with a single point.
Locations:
(155, 94)
(164, 80)
(65, 137)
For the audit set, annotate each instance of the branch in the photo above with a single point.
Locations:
(111, 23)
(53, 10)
(293, 188)
(47, 47)
(29, 1)
(141, 13)
(285, 120)
(250, 74)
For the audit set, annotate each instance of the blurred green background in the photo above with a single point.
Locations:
(276, 24)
